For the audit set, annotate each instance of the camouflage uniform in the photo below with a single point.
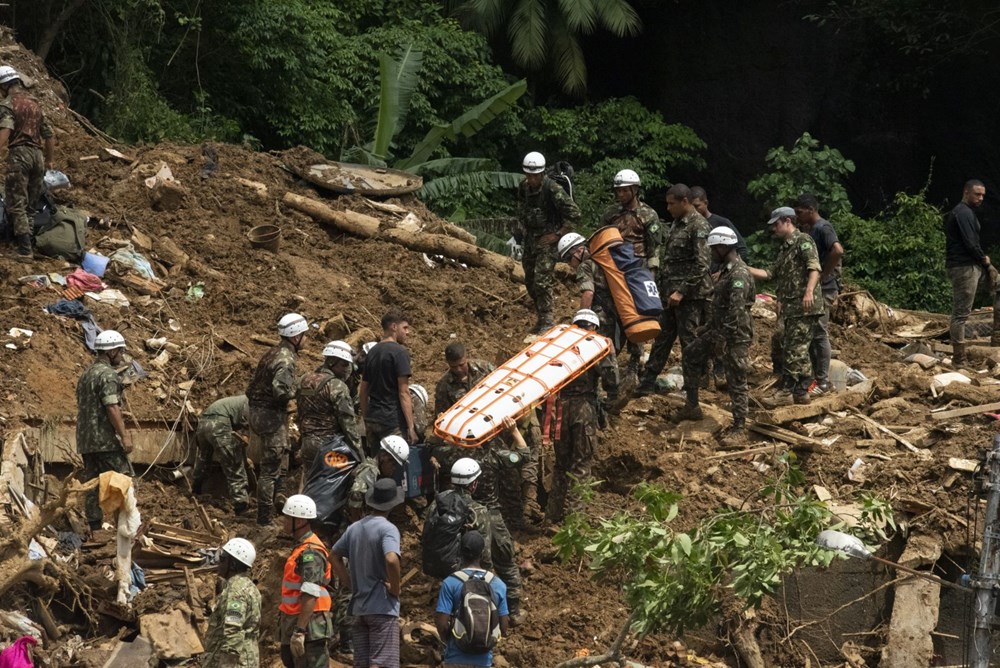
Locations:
(544, 211)
(641, 228)
(22, 115)
(577, 442)
(325, 409)
(797, 257)
(686, 260)
(215, 439)
(447, 392)
(96, 438)
(590, 278)
(270, 390)
(231, 640)
(732, 326)
(311, 567)
(480, 522)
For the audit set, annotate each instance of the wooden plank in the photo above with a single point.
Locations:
(891, 434)
(790, 437)
(199, 536)
(968, 410)
(818, 406)
(749, 451)
(205, 520)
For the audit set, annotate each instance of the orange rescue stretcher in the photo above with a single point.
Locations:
(541, 369)
(632, 286)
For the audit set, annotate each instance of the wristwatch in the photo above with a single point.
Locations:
(299, 629)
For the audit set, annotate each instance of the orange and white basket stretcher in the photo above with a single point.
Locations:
(543, 368)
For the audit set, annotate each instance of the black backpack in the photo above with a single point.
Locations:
(562, 173)
(441, 542)
(475, 624)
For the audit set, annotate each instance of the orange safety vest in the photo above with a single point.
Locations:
(291, 583)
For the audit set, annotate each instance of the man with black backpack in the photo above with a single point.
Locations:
(471, 613)
(452, 513)
(547, 212)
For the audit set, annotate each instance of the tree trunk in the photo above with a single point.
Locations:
(52, 31)
(613, 655)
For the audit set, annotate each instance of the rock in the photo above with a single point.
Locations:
(169, 252)
(172, 635)
(168, 196)
(822, 493)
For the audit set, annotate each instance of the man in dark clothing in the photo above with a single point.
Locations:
(26, 133)
(830, 254)
(968, 267)
(385, 400)
(699, 199)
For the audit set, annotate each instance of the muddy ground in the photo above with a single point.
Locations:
(323, 274)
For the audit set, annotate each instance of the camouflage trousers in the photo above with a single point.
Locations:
(23, 187)
(539, 264)
(503, 556)
(374, 433)
(273, 457)
(215, 441)
(574, 453)
(515, 480)
(679, 322)
(736, 359)
(795, 341)
(318, 634)
(94, 464)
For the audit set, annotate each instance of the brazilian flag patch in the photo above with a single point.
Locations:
(737, 284)
(806, 245)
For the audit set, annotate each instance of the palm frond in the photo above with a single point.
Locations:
(619, 17)
(398, 79)
(568, 62)
(580, 15)
(486, 16)
(451, 166)
(447, 185)
(527, 31)
(363, 156)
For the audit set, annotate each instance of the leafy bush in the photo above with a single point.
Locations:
(805, 168)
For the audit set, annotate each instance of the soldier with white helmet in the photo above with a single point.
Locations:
(324, 405)
(271, 388)
(233, 632)
(729, 327)
(101, 438)
(30, 143)
(577, 443)
(546, 212)
(391, 457)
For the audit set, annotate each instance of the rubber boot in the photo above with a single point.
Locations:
(265, 513)
(533, 512)
(23, 247)
(691, 410)
(544, 322)
(517, 613)
(958, 354)
(240, 509)
(736, 435)
(346, 644)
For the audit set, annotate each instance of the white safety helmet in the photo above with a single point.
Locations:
(340, 350)
(420, 392)
(292, 324)
(241, 550)
(367, 348)
(626, 178)
(397, 447)
(586, 315)
(8, 74)
(301, 506)
(465, 471)
(567, 243)
(109, 339)
(534, 163)
(722, 236)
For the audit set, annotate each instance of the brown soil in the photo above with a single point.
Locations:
(323, 273)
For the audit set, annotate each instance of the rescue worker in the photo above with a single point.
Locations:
(30, 143)
(234, 626)
(795, 271)
(324, 406)
(306, 622)
(390, 458)
(547, 212)
(577, 444)
(640, 226)
(271, 388)
(101, 438)
(462, 375)
(216, 438)
(684, 282)
(729, 328)
(420, 402)
(465, 474)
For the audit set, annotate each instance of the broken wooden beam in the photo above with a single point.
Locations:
(197, 536)
(818, 406)
(749, 451)
(968, 410)
(891, 434)
(798, 441)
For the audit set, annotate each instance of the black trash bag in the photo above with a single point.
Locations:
(329, 480)
(441, 542)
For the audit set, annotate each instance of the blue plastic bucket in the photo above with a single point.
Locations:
(94, 264)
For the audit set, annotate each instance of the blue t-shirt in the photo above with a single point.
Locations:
(365, 544)
(449, 600)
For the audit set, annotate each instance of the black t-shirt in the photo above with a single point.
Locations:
(386, 362)
(825, 237)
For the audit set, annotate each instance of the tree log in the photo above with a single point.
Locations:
(369, 227)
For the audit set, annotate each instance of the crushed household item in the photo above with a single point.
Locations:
(84, 280)
(943, 380)
(348, 178)
(130, 259)
(18, 332)
(267, 237)
(925, 361)
(164, 174)
(672, 382)
(18, 655)
(54, 180)
(35, 281)
(111, 297)
(117, 499)
(855, 377)
(95, 263)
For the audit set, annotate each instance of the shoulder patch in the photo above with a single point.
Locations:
(738, 283)
(307, 556)
(654, 227)
(702, 234)
(805, 245)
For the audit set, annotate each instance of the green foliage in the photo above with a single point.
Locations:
(671, 579)
(805, 168)
(899, 255)
(546, 33)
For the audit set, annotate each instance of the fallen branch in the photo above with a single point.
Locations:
(891, 434)
(613, 654)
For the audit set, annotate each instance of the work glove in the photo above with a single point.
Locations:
(298, 644)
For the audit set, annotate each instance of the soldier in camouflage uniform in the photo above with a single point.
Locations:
(546, 212)
(324, 406)
(25, 131)
(684, 282)
(101, 438)
(730, 327)
(271, 388)
(234, 626)
(796, 272)
(392, 455)
(577, 442)
(640, 226)
(215, 439)
(470, 470)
